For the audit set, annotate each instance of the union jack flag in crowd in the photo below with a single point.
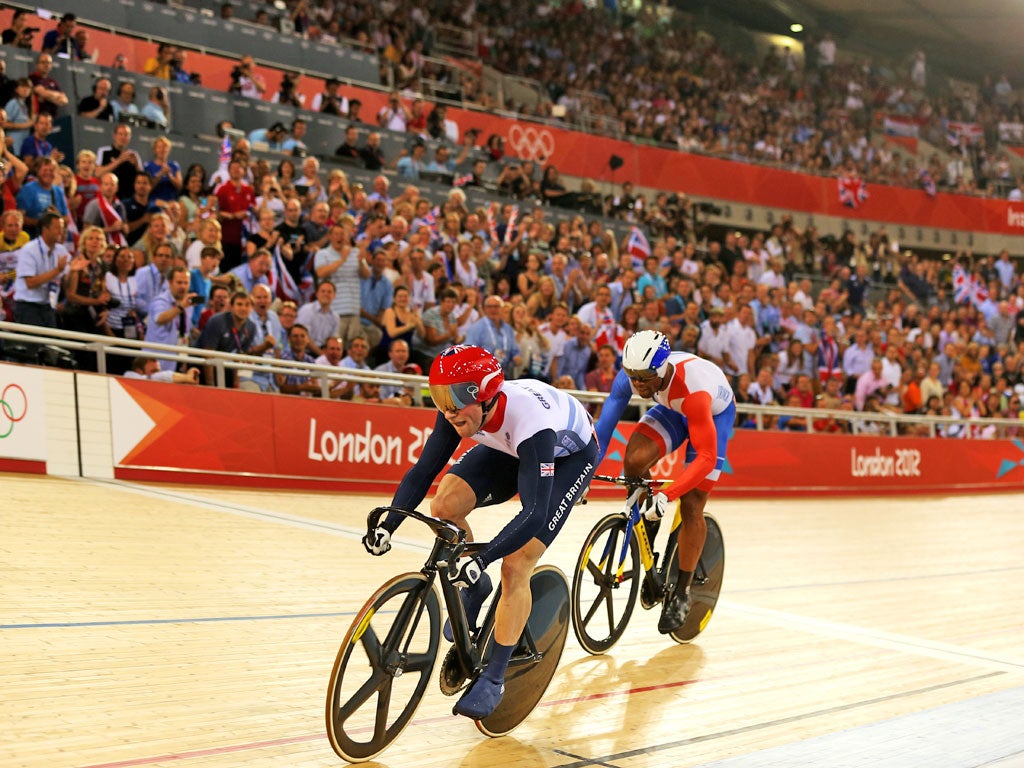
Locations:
(852, 191)
(225, 153)
(962, 285)
(637, 244)
(928, 183)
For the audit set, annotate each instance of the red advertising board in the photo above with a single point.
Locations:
(181, 434)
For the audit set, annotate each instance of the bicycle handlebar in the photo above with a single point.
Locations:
(444, 530)
(631, 483)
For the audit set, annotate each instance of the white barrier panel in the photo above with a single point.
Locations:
(22, 418)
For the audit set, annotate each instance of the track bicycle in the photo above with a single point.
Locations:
(618, 563)
(388, 655)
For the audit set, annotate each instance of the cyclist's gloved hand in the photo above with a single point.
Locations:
(377, 541)
(655, 505)
(469, 573)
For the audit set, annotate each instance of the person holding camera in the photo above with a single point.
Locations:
(60, 41)
(245, 81)
(123, 317)
(19, 34)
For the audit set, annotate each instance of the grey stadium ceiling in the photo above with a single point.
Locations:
(964, 37)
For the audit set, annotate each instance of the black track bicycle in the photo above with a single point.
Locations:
(388, 655)
(618, 563)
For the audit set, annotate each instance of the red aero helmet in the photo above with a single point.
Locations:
(463, 375)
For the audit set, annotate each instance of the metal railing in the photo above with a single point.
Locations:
(759, 417)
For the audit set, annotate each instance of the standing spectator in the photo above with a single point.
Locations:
(124, 104)
(47, 91)
(19, 34)
(343, 264)
(358, 350)
(577, 355)
(166, 173)
(245, 81)
(60, 41)
(297, 349)
(330, 101)
(375, 296)
(871, 383)
(169, 320)
(394, 116)
(118, 159)
(233, 332)
(319, 317)
(139, 209)
(292, 238)
(600, 379)
(398, 359)
(151, 280)
(254, 271)
(97, 104)
(495, 335)
(106, 211)
(440, 329)
(160, 65)
(235, 198)
(41, 264)
(42, 196)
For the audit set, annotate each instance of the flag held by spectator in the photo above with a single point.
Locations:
(637, 244)
(928, 183)
(225, 153)
(852, 191)
(962, 284)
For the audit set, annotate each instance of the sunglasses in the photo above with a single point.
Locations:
(641, 376)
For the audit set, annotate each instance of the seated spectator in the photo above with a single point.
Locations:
(442, 127)
(295, 142)
(394, 116)
(398, 362)
(440, 329)
(216, 302)
(577, 354)
(20, 119)
(35, 144)
(124, 104)
(43, 195)
(97, 104)
(47, 91)
(273, 137)
(148, 368)
(230, 331)
(319, 318)
(410, 162)
(371, 153)
(790, 422)
(288, 93)
(358, 350)
(350, 147)
(157, 109)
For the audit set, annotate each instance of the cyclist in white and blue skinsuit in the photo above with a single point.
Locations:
(533, 440)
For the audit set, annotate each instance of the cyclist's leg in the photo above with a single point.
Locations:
(482, 476)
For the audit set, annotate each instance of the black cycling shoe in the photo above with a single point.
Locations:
(673, 613)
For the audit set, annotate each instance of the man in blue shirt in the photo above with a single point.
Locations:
(41, 262)
(495, 335)
(273, 136)
(576, 354)
(42, 196)
(254, 272)
(375, 295)
(169, 320)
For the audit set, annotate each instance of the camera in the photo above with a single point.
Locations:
(112, 303)
(195, 301)
(29, 30)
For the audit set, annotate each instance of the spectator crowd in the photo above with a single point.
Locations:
(289, 262)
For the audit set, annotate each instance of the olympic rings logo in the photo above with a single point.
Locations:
(13, 408)
(531, 143)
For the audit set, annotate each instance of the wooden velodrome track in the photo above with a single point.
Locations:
(160, 626)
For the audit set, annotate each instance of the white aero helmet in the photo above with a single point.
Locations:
(646, 354)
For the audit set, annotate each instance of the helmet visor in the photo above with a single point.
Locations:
(644, 375)
(453, 397)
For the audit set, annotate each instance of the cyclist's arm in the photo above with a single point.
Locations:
(437, 450)
(696, 407)
(611, 413)
(535, 494)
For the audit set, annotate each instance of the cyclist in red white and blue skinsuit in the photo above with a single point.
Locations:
(694, 403)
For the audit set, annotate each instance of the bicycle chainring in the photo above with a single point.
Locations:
(451, 678)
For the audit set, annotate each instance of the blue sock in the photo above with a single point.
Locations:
(495, 669)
